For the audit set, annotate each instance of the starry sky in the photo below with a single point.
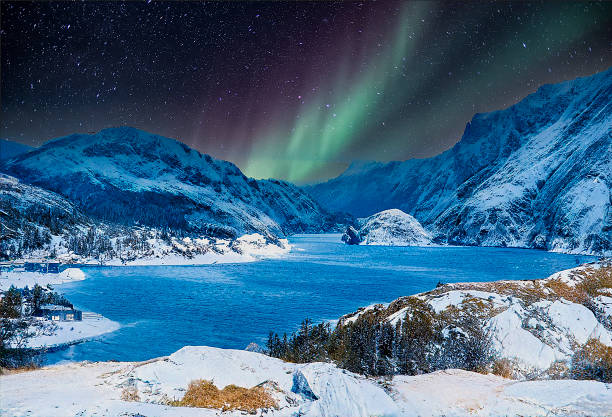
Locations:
(287, 90)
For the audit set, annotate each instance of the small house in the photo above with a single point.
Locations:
(44, 266)
(59, 313)
(53, 267)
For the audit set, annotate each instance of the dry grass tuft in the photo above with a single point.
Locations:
(596, 282)
(571, 293)
(558, 370)
(593, 361)
(503, 368)
(19, 370)
(130, 394)
(591, 283)
(204, 394)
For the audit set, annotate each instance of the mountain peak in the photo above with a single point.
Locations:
(522, 176)
(130, 175)
(10, 149)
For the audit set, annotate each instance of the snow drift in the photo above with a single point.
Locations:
(310, 390)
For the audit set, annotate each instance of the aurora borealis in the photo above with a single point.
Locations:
(288, 90)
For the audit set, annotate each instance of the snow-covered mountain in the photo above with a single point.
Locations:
(37, 223)
(10, 149)
(29, 216)
(537, 174)
(389, 227)
(125, 175)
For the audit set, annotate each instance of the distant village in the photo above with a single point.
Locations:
(39, 301)
(44, 266)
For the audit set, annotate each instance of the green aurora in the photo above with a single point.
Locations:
(406, 97)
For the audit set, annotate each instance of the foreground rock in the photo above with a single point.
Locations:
(536, 326)
(317, 389)
(388, 228)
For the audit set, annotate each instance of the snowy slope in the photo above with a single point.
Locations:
(537, 174)
(10, 149)
(537, 325)
(131, 176)
(33, 214)
(309, 390)
(36, 223)
(391, 228)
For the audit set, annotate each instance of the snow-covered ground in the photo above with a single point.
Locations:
(60, 333)
(29, 279)
(187, 251)
(316, 389)
(71, 332)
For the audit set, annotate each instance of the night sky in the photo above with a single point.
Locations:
(287, 90)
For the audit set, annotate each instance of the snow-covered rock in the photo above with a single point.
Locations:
(536, 174)
(317, 389)
(531, 323)
(389, 228)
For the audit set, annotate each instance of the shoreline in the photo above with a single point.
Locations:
(86, 330)
(22, 279)
(247, 248)
(322, 388)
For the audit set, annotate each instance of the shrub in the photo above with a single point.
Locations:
(596, 280)
(503, 368)
(558, 370)
(593, 361)
(204, 394)
(130, 394)
(467, 346)
(423, 341)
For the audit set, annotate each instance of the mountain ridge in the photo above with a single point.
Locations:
(10, 149)
(127, 175)
(531, 175)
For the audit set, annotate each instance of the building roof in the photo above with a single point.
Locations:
(40, 261)
(55, 307)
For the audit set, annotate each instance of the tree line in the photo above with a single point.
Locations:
(422, 342)
(18, 324)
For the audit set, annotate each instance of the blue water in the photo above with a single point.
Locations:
(162, 309)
